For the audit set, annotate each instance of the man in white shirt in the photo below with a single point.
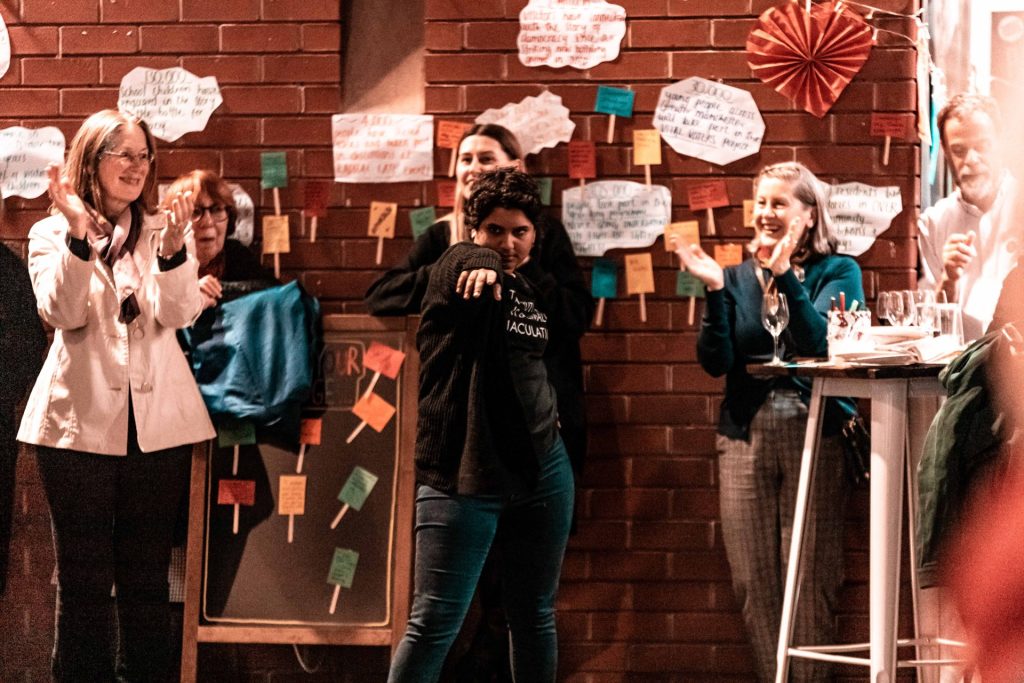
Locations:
(968, 241)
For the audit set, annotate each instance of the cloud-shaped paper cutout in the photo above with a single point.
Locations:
(5, 48)
(860, 213)
(24, 156)
(172, 101)
(581, 34)
(537, 122)
(615, 214)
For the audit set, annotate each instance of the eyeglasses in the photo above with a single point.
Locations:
(217, 213)
(126, 158)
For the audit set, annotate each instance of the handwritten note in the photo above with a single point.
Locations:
(679, 234)
(615, 213)
(449, 133)
(291, 494)
(646, 147)
(604, 279)
(343, 567)
(310, 430)
(382, 148)
(273, 170)
(445, 193)
(357, 488)
(315, 196)
(860, 213)
(614, 101)
(383, 359)
(24, 155)
(172, 101)
(709, 120)
(236, 434)
(689, 286)
(374, 411)
(639, 273)
(5, 48)
(889, 125)
(276, 239)
(582, 159)
(707, 194)
(580, 34)
(729, 254)
(382, 219)
(420, 220)
(537, 122)
(236, 492)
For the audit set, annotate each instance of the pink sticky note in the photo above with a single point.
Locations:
(383, 359)
(236, 492)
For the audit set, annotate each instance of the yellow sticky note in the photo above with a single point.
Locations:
(291, 494)
(646, 147)
(639, 274)
(382, 219)
(748, 213)
(729, 254)
(687, 232)
(275, 235)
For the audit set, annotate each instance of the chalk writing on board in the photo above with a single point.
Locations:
(709, 120)
(24, 155)
(609, 214)
(580, 34)
(860, 213)
(172, 101)
(382, 148)
(537, 122)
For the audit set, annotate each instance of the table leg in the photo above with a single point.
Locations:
(888, 434)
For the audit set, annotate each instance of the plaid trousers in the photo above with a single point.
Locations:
(757, 496)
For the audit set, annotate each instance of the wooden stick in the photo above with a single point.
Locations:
(302, 455)
(312, 228)
(583, 188)
(341, 513)
(451, 166)
(277, 202)
(380, 250)
(334, 598)
(643, 308)
(277, 265)
(302, 222)
(234, 524)
(234, 462)
(711, 221)
(693, 305)
(885, 150)
(599, 316)
(373, 383)
(291, 528)
(647, 174)
(611, 128)
(355, 432)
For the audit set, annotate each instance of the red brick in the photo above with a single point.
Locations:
(600, 535)
(617, 626)
(618, 438)
(321, 37)
(626, 378)
(65, 71)
(660, 347)
(672, 535)
(671, 472)
(261, 100)
(443, 36)
(30, 101)
(175, 162)
(799, 128)
(634, 66)
(300, 10)
(319, 163)
(694, 504)
(592, 656)
(222, 10)
(180, 39)
(491, 35)
(692, 378)
(259, 38)
(463, 9)
(138, 11)
(685, 33)
(113, 69)
(302, 69)
(13, 76)
(633, 504)
(659, 596)
(226, 68)
(59, 12)
(282, 131)
(33, 40)
(731, 32)
(321, 99)
(707, 8)
(699, 566)
(711, 64)
(443, 99)
(463, 67)
(695, 439)
(99, 39)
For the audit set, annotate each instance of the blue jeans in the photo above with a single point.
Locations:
(453, 535)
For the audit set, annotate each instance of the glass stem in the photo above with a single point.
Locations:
(775, 354)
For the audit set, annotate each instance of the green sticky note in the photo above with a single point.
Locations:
(236, 434)
(604, 279)
(617, 101)
(274, 169)
(688, 285)
(343, 567)
(421, 219)
(356, 490)
(544, 185)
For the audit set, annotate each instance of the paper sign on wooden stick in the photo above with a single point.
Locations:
(382, 219)
(310, 430)
(236, 492)
(291, 495)
(708, 194)
(728, 254)
(646, 147)
(383, 359)
(686, 233)
(24, 155)
(544, 185)
(748, 213)
(445, 193)
(582, 159)
(688, 285)
(315, 196)
(382, 148)
(171, 101)
(614, 101)
(275, 235)
(273, 170)
(889, 125)
(420, 220)
(236, 434)
(577, 34)
(604, 279)
(374, 411)
(639, 273)
(449, 133)
(357, 488)
(342, 573)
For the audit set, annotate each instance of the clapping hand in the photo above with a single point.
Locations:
(700, 265)
(179, 216)
(779, 261)
(211, 290)
(62, 193)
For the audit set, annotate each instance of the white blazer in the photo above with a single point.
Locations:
(80, 400)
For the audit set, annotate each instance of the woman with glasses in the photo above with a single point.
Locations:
(115, 409)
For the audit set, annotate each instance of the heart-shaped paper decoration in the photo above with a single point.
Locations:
(809, 58)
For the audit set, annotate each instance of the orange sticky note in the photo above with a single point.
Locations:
(445, 192)
(309, 431)
(687, 232)
(748, 213)
(382, 219)
(646, 147)
(582, 159)
(889, 125)
(639, 273)
(374, 411)
(708, 194)
(450, 132)
(275, 235)
(236, 492)
(729, 254)
(291, 494)
(383, 359)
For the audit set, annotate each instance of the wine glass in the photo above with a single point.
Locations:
(774, 317)
(909, 306)
(885, 307)
(924, 307)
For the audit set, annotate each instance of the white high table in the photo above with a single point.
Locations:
(890, 389)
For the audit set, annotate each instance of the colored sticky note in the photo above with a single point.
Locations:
(374, 411)
(686, 232)
(544, 185)
(646, 147)
(383, 359)
(422, 219)
(449, 133)
(358, 487)
(639, 273)
(617, 101)
(276, 238)
(889, 125)
(728, 254)
(382, 219)
(291, 494)
(604, 279)
(343, 567)
(231, 433)
(310, 430)
(315, 196)
(273, 170)
(582, 159)
(445, 192)
(688, 285)
(236, 492)
(708, 194)
(748, 213)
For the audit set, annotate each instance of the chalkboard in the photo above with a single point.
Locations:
(255, 586)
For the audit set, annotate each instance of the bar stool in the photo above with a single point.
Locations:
(890, 390)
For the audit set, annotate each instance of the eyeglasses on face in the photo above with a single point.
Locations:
(217, 212)
(126, 158)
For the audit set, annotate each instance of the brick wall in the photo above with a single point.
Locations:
(646, 592)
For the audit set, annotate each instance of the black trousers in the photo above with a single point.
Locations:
(113, 522)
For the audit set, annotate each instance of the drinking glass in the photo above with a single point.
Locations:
(774, 317)
(924, 307)
(907, 296)
(885, 307)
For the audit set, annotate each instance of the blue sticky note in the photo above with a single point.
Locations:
(688, 285)
(274, 170)
(421, 220)
(617, 101)
(544, 185)
(604, 279)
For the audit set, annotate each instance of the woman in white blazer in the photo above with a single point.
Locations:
(115, 409)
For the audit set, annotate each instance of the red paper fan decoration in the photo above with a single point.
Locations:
(809, 58)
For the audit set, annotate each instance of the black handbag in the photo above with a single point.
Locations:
(857, 450)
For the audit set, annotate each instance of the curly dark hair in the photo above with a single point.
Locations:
(504, 188)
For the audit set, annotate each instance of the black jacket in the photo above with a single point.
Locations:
(22, 339)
